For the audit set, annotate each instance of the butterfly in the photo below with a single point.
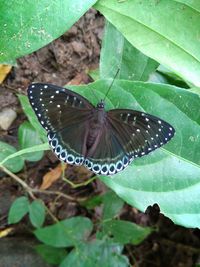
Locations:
(82, 134)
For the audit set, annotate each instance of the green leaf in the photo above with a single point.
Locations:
(171, 77)
(37, 213)
(157, 29)
(24, 151)
(125, 232)
(50, 254)
(132, 64)
(18, 209)
(170, 175)
(65, 233)
(92, 202)
(15, 164)
(97, 253)
(32, 117)
(28, 25)
(94, 74)
(28, 137)
(112, 205)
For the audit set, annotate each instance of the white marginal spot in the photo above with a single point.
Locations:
(31, 97)
(170, 128)
(142, 153)
(40, 99)
(155, 146)
(32, 86)
(46, 128)
(138, 130)
(166, 139)
(152, 138)
(161, 143)
(57, 92)
(41, 93)
(58, 106)
(146, 119)
(46, 86)
(148, 126)
(156, 135)
(70, 159)
(170, 134)
(42, 122)
(32, 104)
(147, 131)
(149, 149)
(39, 115)
(159, 130)
(142, 114)
(159, 122)
(52, 96)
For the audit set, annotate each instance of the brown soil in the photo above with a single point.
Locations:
(68, 59)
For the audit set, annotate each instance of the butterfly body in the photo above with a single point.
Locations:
(82, 134)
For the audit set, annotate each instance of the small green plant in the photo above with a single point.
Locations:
(73, 240)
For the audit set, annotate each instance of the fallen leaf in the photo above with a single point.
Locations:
(51, 176)
(80, 78)
(5, 232)
(4, 70)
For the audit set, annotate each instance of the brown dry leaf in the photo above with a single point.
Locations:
(80, 78)
(4, 70)
(5, 232)
(51, 176)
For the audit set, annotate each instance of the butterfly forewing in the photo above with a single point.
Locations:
(139, 133)
(55, 106)
(65, 116)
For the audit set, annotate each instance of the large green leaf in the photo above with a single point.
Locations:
(65, 233)
(158, 29)
(118, 53)
(169, 176)
(28, 25)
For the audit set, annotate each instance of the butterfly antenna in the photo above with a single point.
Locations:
(111, 83)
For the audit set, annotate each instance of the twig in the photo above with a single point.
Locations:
(30, 191)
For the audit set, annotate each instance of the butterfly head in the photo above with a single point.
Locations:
(101, 104)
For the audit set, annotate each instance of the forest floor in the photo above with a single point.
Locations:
(67, 61)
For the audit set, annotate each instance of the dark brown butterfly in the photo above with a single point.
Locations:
(81, 134)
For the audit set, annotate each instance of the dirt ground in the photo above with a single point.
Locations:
(65, 60)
